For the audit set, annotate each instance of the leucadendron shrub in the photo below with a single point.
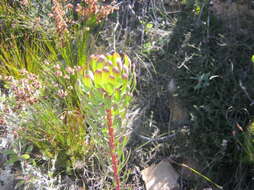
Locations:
(105, 89)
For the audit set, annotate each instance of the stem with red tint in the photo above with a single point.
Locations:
(112, 148)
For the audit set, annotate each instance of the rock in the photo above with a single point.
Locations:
(161, 177)
(7, 179)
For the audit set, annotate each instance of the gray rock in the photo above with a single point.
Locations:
(7, 179)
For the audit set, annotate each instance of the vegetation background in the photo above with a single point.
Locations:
(92, 92)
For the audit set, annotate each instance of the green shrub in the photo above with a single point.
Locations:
(61, 136)
(105, 93)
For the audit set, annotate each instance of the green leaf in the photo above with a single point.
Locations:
(252, 58)
(29, 148)
(25, 156)
(117, 96)
(12, 160)
(127, 61)
(149, 25)
(115, 58)
(87, 82)
(8, 152)
(109, 89)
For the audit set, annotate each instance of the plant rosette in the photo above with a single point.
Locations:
(107, 82)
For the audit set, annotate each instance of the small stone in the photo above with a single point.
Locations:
(161, 176)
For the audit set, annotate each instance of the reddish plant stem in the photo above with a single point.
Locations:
(112, 148)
